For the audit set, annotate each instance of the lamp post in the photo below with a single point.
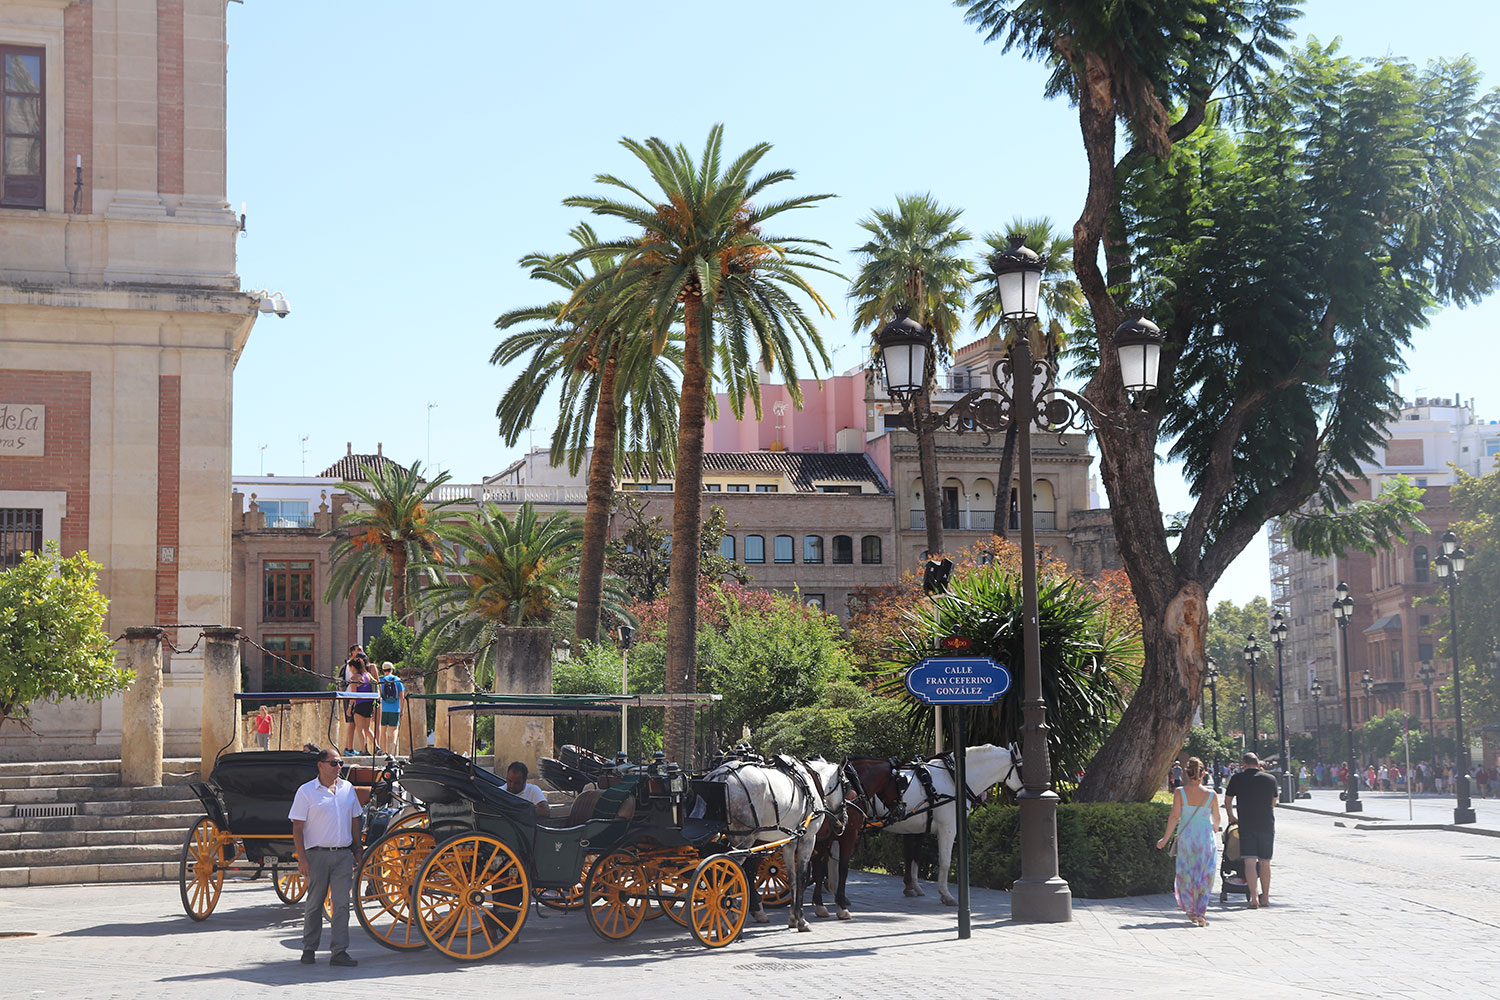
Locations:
(1212, 680)
(1244, 703)
(1023, 394)
(1316, 690)
(1368, 683)
(1343, 610)
(1278, 639)
(1252, 657)
(1428, 675)
(1450, 566)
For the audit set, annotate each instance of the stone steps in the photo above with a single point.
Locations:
(172, 765)
(178, 822)
(147, 871)
(24, 840)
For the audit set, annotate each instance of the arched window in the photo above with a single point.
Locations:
(869, 550)
(726, 546)
(783, 551)
(812, 548)
(1044, 506)
(1419, 563)
(755, 548)
(843, 550)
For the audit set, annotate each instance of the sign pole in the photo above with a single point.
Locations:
(961, 803)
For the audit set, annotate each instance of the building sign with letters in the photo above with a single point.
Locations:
(23, 429)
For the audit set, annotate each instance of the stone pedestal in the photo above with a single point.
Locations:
(221, 682)
(454, 730)
(523, 665)
(412, 732)
(141, 711)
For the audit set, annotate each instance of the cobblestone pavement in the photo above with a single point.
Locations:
(1355, 914)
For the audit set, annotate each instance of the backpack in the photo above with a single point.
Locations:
(390, 689)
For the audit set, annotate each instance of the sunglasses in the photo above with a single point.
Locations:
(335, 763)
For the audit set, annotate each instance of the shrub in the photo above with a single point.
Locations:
(847, 720)
(1104, 849)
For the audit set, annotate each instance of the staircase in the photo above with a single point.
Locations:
(70, 821)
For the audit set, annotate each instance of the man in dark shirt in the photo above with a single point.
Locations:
(1254, 792)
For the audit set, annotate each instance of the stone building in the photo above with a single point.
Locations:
(121, 319)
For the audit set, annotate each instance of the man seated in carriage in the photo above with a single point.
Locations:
(516, 784)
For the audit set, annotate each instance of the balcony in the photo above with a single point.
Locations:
(286, 520)
(479, 493)
(982, 520)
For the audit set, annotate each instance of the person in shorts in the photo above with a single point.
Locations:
(392, 694)
(1252, 793)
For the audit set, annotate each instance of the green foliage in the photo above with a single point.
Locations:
(641, 554)
(52, 639)
(913, 260)
(1366, 525)
(847, 720)
(1477, 508)
(1381, 737)
(1229, 627)
(1088, 660)
(1203, 744)
(1104, 849)
(393, 644)
(593, 668)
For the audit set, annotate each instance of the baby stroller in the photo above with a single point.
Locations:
(1231, 868)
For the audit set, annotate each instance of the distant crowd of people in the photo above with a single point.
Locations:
(1425, 778)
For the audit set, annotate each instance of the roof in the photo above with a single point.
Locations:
(805, 470)
(351, 468)
(1390, 623)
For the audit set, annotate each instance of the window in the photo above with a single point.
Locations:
(852, 491)
(767, 488)
(712, 488)
(1424, 651)
(288, 591)
(739, 487)
(23, 136)
(869, 550)
(818, 601)
(843, 550)
(812, 548)
(726, 547)
(755, 549)
(285, 513)
(296, 648)
(1419, 564)
(1396, 672)
(783, 548)
(20, 532)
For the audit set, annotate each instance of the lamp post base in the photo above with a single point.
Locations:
(1462, 815)
(1287, 792)
(1048, 901)
(1353, 806)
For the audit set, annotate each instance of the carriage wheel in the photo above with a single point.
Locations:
(290, 885)
(416, 819)
(471, 897)
(774, 883)
(617, 895)
(206, 852)
(674, 884)
(572, 897)
(383, 887)
(717, 905)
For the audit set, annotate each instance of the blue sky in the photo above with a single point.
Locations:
(395, 169)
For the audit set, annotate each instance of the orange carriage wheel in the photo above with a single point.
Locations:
(672, 880)
(291, 885)
(617, 895)
(414, 819)
(471, 897)
(206, 852)
(383, 887)
(774, 884)
(716, 908)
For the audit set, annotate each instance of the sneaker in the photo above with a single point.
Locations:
(343, 959)
(309, 957)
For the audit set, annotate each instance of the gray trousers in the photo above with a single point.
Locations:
(325, 870)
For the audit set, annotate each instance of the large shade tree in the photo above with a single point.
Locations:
(615, 393)
(1287, 227)
(700, 241)
(912, 264)
(389, 539)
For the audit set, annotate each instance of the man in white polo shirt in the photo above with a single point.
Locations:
(326, 830)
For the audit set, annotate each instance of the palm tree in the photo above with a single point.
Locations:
(515, 571)
(1061, 303)
(912, 264)
(701, 244)
(603, 379)
(390, 539)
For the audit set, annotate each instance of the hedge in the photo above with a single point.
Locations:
(1104, 849)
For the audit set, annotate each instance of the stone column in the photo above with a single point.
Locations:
(412, 732)
(523, 665)
(141, 712)
(221, 682)
(454, 730)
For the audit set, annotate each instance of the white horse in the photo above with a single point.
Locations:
(766, 803)
(985, 766)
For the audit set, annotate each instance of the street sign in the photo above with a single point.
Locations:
(958, 680)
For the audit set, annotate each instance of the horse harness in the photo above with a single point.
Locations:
(932, 799)
(799, 774)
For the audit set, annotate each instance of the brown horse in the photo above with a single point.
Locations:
(870, 780)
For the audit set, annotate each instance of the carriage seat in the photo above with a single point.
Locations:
(614, 803)
(257, 788)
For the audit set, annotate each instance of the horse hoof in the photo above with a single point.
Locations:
(845, 915)
(759, 917)
(821, 911)
(910, 891)
(803, 927)
(949, 901)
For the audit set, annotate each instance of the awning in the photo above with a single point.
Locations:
(1390, 623)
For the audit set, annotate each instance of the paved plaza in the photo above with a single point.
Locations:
(1393, 913)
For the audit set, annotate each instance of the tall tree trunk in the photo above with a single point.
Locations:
(932, 509)
(596, 511)
(687, 505)
(398, 584)
(1002, 482)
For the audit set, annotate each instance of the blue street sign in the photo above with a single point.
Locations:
(958, 680)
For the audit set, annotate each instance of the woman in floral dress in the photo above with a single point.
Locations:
(1195, 817)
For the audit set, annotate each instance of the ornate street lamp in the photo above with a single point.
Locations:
(1316, 690)
(1278, 639)
(1252, 657)
(1343, 610)
(1244, 703)
(1368, 683)
(1212, 680)
(1428, 675)
(1450, 566)
(1040, 895)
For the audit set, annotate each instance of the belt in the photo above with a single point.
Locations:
(344, 848)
